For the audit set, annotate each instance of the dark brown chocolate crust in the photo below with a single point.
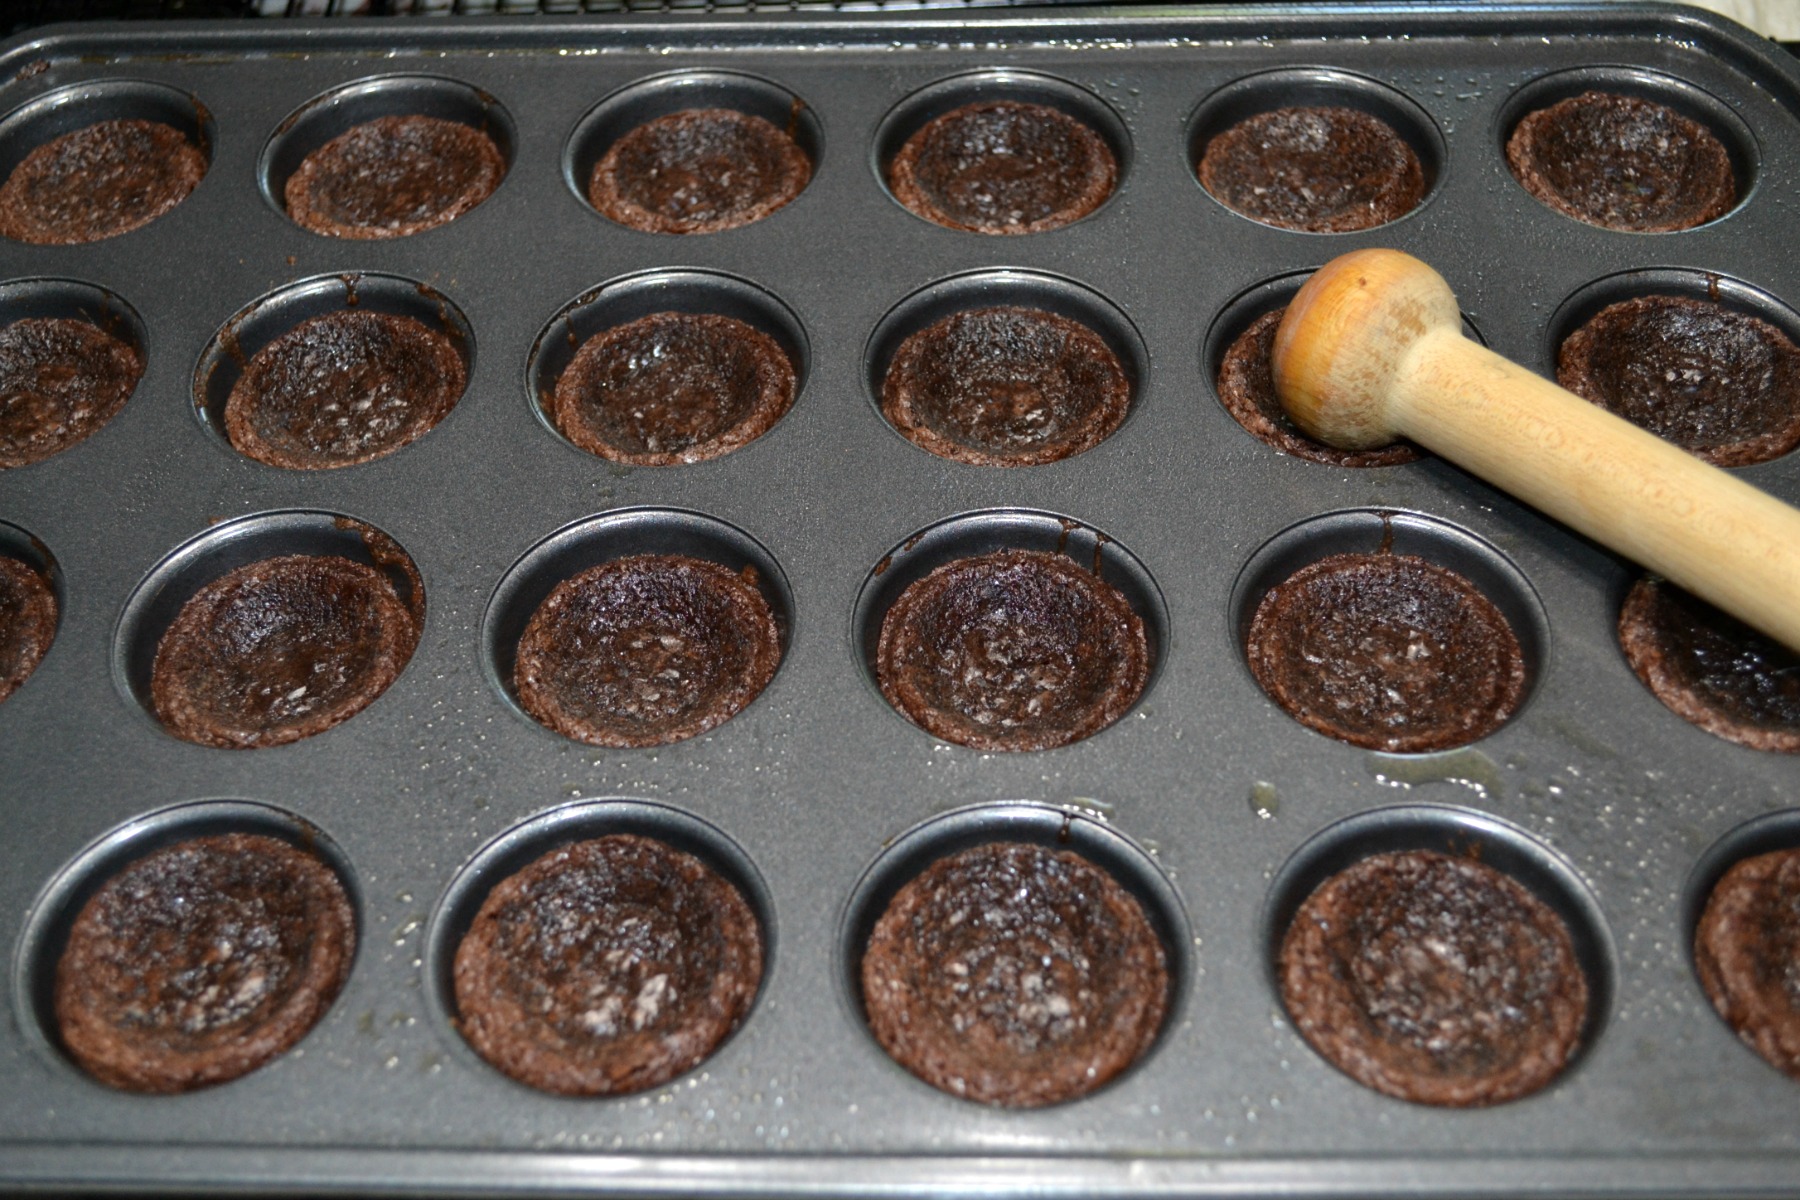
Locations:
(672, 388)
(343, 388)
(1434, 979)
(1388, 652)
(698, 171)
(1247, 388)
(394, 176)
(1747, 952)
(1013, 974)
(280, 650)
(1016, 650)
(98, 182)
(1005, 387)
(1622, 162)
(646, 650)
(202, 962)
(605, 967)
(1711, 669)
(1717, 382)
(27, 622)
(60, 380)
(1321, 170)
(1003, 166)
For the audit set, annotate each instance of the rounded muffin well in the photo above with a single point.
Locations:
(28, 612)
(1319, 170)
(98, 182)
(394, 176)
(700, 170)
(1746, 948)
(60, 380)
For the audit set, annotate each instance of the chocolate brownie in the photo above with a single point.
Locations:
(1322, 170)
(1715, 381)
(671, 388)
(1015, 650)
(342, 388)
(698, 171)
(1747, 951)
(280, 650)
(394, 176)
(1247, 387)
(1622, 162)
(98, 182)
(1388, 652)
(1434, 979)
(1016, 975)
(202, 962)
(27, 622)
(607, 966)
(646, 650)
(1005, 387)
(1003, 166)
(1710, 668)
(61, 379)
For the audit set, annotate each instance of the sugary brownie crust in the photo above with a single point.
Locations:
(394, 176)
(701, 170)
(1320, 170)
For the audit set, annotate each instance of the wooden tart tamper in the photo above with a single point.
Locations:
(1371, 350)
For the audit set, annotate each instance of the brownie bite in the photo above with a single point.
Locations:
(606, 967)
(1710, 668)
(394, 176)
(700, 170)
(1320, 170)
(1622, 162)
(28, 613)
(671, 388)
(1003, 166)
(280, 650)
(1012, 974)
(1747, 951)
(202, 962)
(1246, 385)
(1720, 383)
(646, 650)
(343, 388)
(1015, 650)
(1434, 979)
(1005, 387)
(98, 182)
(61, 379)
(1388, 652)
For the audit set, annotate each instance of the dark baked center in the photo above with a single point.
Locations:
(280, 650)
(1747, 952)
(698, 171)
(341, 388)
(1003, 166)
(202, 962)
(1622, 162)
(98, 182)
(1017, 650)
(27, 622)
(394, 176)
(645, 650)
(1434, 979)
(60, 381)
(1014, 974)
(1324, 170)
(1713, 380)
(1005, 387)
(1387, 651)
(672, 388)
(607, 966)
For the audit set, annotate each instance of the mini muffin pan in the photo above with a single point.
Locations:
(1207, 801)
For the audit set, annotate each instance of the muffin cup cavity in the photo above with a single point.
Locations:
(341, 109)
(1001, 86)
(608, 537)
(580, 821)
(31, 596)
(53, 913)
(264, 321)
(620, 302)
(32, 434)
(1319, 87)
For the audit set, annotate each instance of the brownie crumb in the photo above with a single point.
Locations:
(98, 182)
(394, 176)
(28, 612)
(1319, 170)
(1747, 951)
(701, 170)
(61, 379)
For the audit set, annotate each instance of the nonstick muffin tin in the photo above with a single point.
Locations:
(1216, 809)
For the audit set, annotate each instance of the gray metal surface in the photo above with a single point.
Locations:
(1204, 795)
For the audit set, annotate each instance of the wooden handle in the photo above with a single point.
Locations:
(1372, 349)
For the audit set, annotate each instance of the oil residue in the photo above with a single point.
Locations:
(1469, 768)
(1265, 800)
